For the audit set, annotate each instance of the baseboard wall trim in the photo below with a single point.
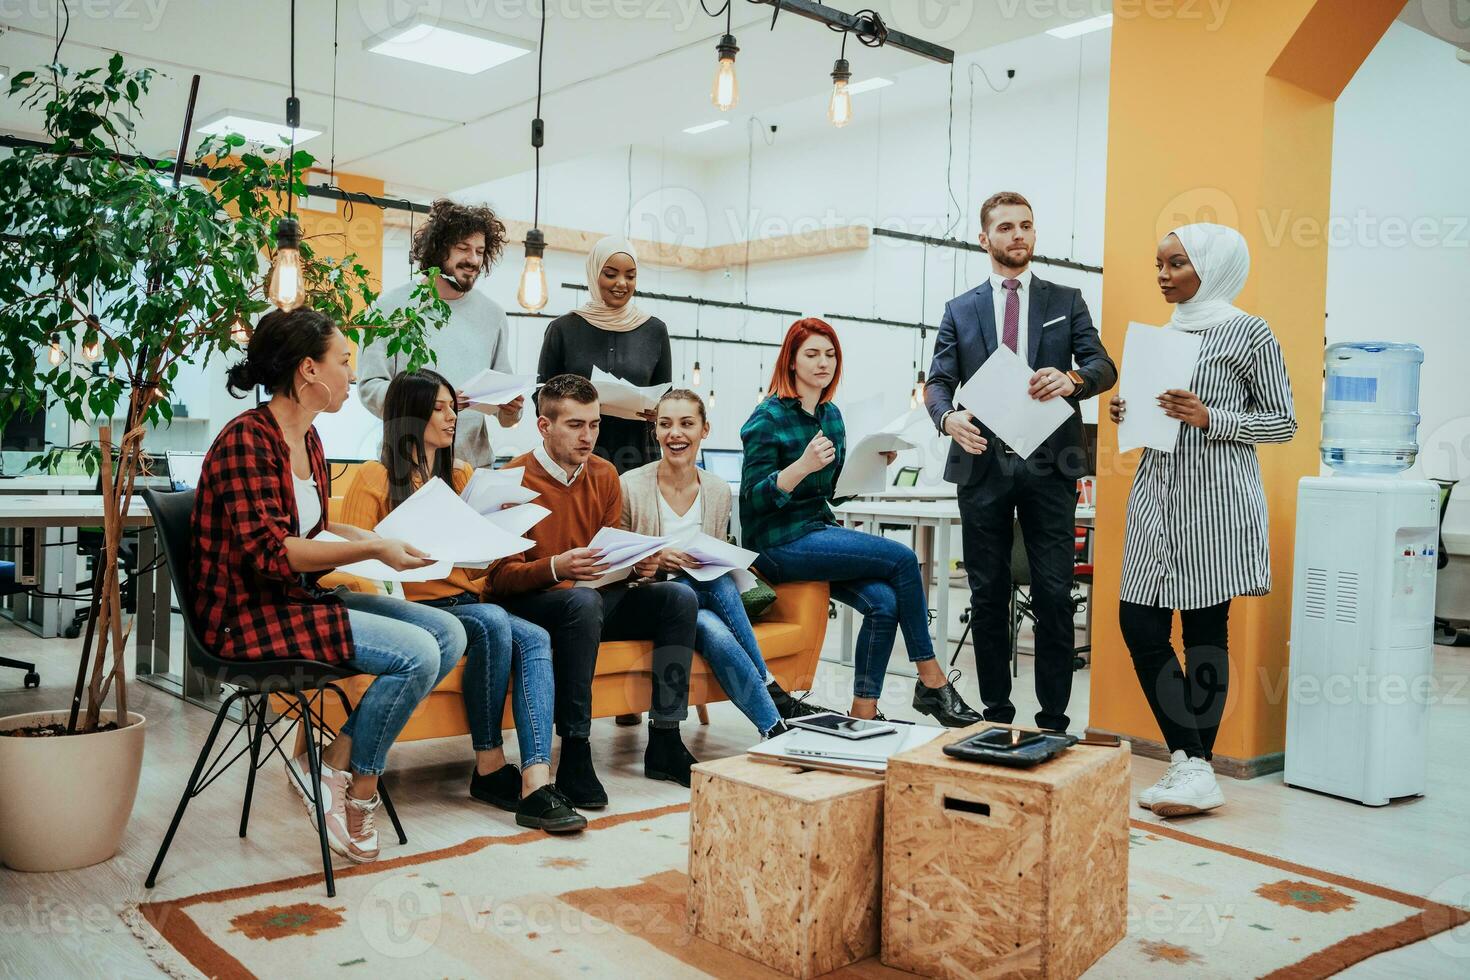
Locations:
(1260, 765)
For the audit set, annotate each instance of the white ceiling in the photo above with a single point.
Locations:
(610, 80)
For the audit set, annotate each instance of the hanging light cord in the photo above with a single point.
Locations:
(332, 167)
(874, 36)
(537, 134)
(291, 160)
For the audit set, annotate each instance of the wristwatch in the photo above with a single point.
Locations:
(1076, 380)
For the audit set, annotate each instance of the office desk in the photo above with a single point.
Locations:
(151, 626)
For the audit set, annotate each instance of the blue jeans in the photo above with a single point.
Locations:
(726, 640)
(410, 648)
(880, 579)
(500, 644)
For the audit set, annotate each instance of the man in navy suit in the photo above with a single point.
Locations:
(1048, 325)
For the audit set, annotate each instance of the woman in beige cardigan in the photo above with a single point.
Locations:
(672, 497)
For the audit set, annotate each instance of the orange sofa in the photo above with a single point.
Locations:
(790, 635)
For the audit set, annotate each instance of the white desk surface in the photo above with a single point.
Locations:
(40, 483)
(935, 510)
(55, 510)
(939, 491)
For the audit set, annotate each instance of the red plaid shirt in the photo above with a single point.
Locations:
(250, 604)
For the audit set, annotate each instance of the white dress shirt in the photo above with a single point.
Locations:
(554, 468)
(1023, 296)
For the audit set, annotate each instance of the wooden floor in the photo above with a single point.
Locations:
(65, 925)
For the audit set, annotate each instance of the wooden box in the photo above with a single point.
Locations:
(1000, 872)
(784, 863)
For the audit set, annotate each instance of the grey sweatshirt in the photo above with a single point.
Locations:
(473, 339)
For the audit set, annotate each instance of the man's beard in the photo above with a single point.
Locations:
(1004, 258)
(464, 284)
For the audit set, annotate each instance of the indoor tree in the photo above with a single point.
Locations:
(114, 256)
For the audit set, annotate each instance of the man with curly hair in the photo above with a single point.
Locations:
(457, 245)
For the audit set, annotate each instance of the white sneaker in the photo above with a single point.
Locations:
(350, 829)
(1147, 797)
(1193, 790)
(298, 776)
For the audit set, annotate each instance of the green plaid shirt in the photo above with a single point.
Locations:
(775, 436)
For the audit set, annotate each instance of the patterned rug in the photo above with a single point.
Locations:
(610, 903)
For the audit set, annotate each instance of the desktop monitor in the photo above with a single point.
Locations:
(25, 432)
(184, 469)
(724, 463)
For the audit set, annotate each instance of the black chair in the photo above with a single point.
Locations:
(254, 682)
(8, 586)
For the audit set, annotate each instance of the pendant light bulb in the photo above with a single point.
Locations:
(55, 355)
(92, 351)
(726, 90)
(532, 292)
(240, 333)
(694, 377)
(288, 286)
(918, 398)
(839, 106)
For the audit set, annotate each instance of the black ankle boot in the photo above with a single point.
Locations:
(500, 788)
(576, 778)
(666, 757)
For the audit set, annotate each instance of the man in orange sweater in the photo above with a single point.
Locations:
(583, 494)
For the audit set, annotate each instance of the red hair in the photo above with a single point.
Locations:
(783, 375)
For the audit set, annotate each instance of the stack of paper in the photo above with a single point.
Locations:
(718, 558)
(1000, 396)
(623, 400)
(518, 519)
(437, 522)
(493, 388)
(865, 469)
(490, 490)
(373, 569)
(620, 550)
(1154, 360)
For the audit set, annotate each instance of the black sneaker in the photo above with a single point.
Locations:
(666, 757)
(944, 704)
(788, 707)
(501, 788)
(628, 721)
(547, 809)
(780, 728)
(576, 779)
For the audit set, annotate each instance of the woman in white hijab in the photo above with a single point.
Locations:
(1197, 521)
(611, 333)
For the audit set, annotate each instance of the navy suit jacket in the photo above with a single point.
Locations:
(1059, 332)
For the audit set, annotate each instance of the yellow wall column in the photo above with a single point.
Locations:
(1225, 118)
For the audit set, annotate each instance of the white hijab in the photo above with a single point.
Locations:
(596, 310)
(1222, 260)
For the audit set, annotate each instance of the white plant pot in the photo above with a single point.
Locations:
(65, 802)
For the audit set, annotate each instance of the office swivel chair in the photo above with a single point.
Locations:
(255, 682)
(8, 586)
(1445, 632)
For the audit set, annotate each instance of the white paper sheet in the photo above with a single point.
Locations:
(800, 746)
(493, 388)
(865, 470)
(518, 519)
(377, 571)
(1155, 359)
(718, 558)
(620, 550)
(622, 400)
(999, 395)
(436, 521)
(490, 490)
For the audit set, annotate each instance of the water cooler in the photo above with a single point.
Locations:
(1362, 621)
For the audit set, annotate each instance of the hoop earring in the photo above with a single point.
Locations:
(325, 388)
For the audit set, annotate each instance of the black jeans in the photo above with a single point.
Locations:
(1187, 702)
(579, 619)
(1045, 504)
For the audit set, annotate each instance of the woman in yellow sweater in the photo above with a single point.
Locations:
(418, 444)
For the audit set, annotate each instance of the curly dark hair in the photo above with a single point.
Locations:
(450, 223)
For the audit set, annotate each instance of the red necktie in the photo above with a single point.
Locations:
(1012, 334)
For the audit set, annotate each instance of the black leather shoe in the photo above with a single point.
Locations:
(944, 704)
(780, 728)
(627, 721)
(788, 707)
(576, 779)
(666, 757)
(547, 809)
(501, 788)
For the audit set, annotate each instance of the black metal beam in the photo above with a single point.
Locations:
(974, 247)
(698, 301)
(833, 17)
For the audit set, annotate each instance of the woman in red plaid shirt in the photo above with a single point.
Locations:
(261, 499)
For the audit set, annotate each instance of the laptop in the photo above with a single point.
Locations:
(184, 469)
(724, 463)
(798, 746)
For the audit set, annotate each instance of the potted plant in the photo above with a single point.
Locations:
(143, 273)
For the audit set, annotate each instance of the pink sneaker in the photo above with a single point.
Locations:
(350, 830)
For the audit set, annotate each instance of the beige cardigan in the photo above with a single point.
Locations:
(640, 502)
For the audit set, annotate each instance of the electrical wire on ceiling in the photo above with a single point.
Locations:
(970, 131)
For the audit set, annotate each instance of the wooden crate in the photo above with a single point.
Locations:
(998, 872)
(784, 863)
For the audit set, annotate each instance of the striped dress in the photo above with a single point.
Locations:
(1197, 524)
